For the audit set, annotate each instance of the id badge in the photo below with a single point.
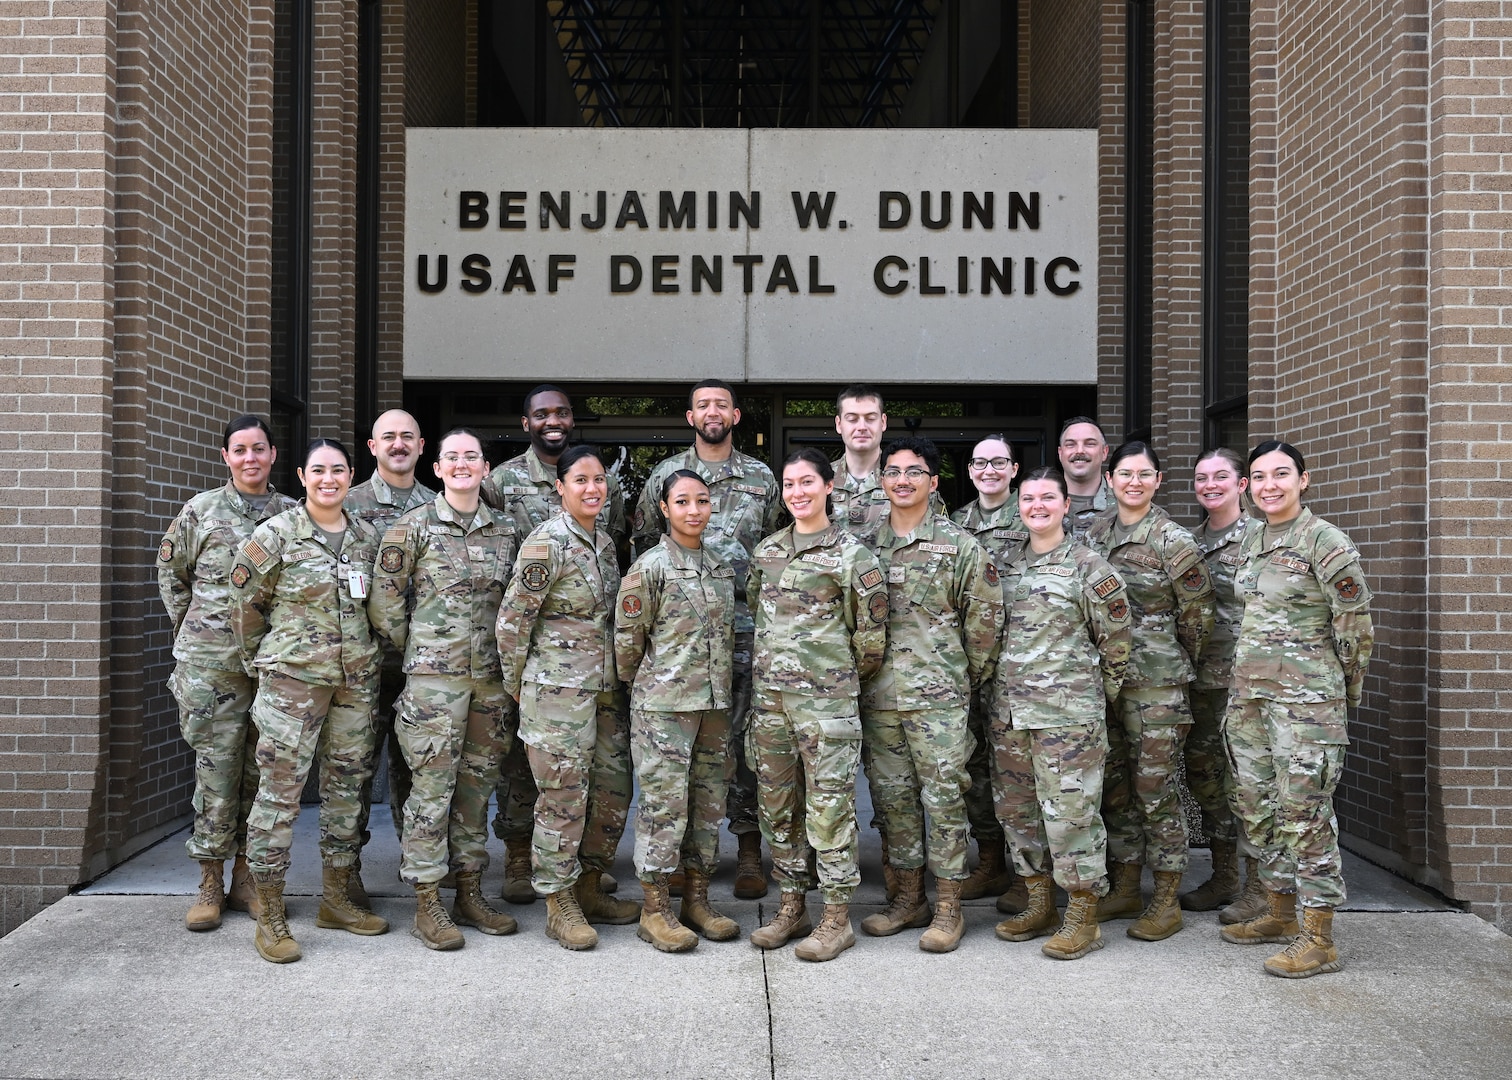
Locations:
(357, 584)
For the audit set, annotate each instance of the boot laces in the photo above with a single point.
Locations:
(210, 892)
(567, 902)
(436, 910)
(277, 918)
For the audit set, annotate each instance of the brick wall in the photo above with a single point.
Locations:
(1469, 637)
(1063, 63)
(57, 81)
(1338, 344)
(1112, 217)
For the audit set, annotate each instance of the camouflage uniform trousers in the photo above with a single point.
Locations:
(917, 770)
(985, 829)
(453, 732)
(1287, 758)
(1208, 776)
(681, 762)
(514, 817)
(740, 803)
(213, 715)
(1141, 807)
(807, 750)
(1048, 785)
(390, 685)
(578, 743)
(300, 724)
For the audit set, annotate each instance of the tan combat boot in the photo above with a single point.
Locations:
(243, 894)
(1312, 951)
(1039, 915)
(205, 912)
(992, 875)
(517, 887)
(1079, 931)
(471, 908)
(607, 882)
(791, 920)
(948, 927)
(433, 926)
(1276, 927)
(657, 924)
(598, 906)
(1163, 917)
(1223, 887)
(1252, 902)
(889, 875)
(830, 938)
(908, 907)
(1016, 898)
(338, 912)
(1124, 900)
(750, 882)
(697, 913)
(565, 923)
(356, 891)
(274, 942)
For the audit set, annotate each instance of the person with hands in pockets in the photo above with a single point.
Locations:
(674, 641)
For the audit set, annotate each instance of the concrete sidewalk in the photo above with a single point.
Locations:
(107, 983)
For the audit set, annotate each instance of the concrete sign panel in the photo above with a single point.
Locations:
(774, 255)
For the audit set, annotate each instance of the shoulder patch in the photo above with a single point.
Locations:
(1344, 553)
(256, 555)
(537, 550)
(640, 520)
(535, 576)
(165, 550)
(630, 606)
(990, 572)
(240, 576)
(1348, 588)
(878, 607)
(1118, 609)
(871, 579)
(1107, 586)
(391, 559)
(396, 534)
(631, 581)
(1193, 580)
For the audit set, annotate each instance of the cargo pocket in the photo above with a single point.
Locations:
(277, 726)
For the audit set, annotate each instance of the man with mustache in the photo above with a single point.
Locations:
(1082, 451)
(380, 501)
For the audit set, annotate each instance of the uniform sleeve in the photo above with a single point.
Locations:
(1349, 603)
(1105, 603)
(1196, 602)
(634, 615)
(866, 612)
(772, 519)
(618, 527)
(753, 590)
(255, 579)
(175, 559)
(489, 489)
(538, 565)
(979, 599)
(649, 523)
(389, 604)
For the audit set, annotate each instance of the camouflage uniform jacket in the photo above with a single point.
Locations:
(1077, 523)
(746, 506)
(674, 634)
(194, 572)
(556, 624)
(861, 505)
(821, 613)
(524, 488)
(1306, 635)
(1067, 639)
(946, 615)
(1221, 551)
(375, 502)
(1000, 531)
(437, 588)
(295, 613)
(1170, 592)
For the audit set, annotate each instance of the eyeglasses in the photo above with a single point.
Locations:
(998, 463)
(913, 472)
(470, 458)
(1129, 474)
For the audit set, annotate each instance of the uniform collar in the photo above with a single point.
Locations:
(238, 500)
(1287, 535)
(446, 512)
(809, 541)
(538, 470)
(737, 465)
(998, 518)
(1102, 498)
(681, 557)
(591, 539)
(305, 527)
